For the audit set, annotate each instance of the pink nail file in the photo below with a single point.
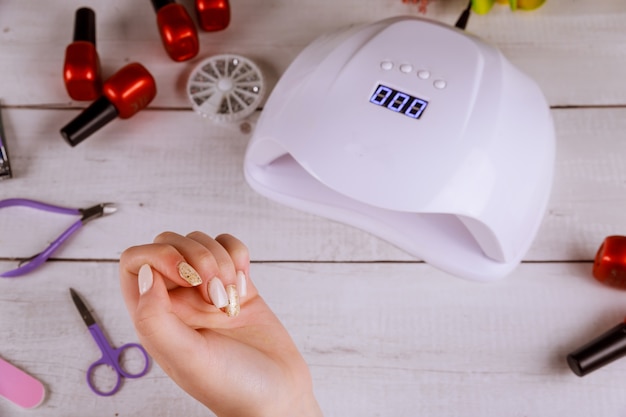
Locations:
(19, 387)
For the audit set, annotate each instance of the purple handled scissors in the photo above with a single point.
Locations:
(87, 215)
(110, 355)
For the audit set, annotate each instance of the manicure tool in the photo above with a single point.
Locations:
(19, 387)
(5, 166)
(110, 355)
(87, 214)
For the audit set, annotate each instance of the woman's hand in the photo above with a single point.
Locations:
(178, 291)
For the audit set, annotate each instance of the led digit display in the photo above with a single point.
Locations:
(381, 95)
(398, 101)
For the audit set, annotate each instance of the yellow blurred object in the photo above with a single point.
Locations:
(525, 4)
(483, 6)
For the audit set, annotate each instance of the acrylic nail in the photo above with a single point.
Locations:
(145, 279)
(233, 308)
(217, 293)
(242, 284)
(189, 274)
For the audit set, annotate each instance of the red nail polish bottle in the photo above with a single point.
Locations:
(177, 30)
(81, 70)
(213, 15)
(601, 351)
(125, 93)
(609, 266)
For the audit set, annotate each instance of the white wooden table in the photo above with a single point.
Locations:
(384, 334)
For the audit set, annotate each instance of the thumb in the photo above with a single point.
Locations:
(160, 330)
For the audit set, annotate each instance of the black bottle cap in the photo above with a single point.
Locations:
(85, 25)
(599, 352)
(157, 4)
(99, 113)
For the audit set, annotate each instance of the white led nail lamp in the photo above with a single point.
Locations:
(417, 132)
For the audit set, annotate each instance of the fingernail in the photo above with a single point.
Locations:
(145, 279)
(242, 284)
(232, 309)
(217, 292)
(189, 274)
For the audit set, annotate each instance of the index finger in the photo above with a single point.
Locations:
(163, 258)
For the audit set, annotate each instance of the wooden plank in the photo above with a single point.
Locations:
(171, 170)
(381, 339)
(561, 45)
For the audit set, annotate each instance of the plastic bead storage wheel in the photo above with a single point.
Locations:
(225, 88)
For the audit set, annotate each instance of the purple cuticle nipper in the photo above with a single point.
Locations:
(87, 215)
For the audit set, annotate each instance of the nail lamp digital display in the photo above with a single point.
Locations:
(416, 132)
(398, 101)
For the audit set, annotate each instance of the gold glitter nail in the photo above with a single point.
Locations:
(232, 309)
(189, 274)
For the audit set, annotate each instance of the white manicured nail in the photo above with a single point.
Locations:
(146, 279)
(217, 292)
(242, 284)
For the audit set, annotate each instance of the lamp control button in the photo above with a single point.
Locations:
(423, 74)
(386, 65)
(440, 84)
(406, 68)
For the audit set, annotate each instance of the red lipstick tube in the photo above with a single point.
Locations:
(81, 70)
(125, 93)
(213, 15)
(177, 30)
